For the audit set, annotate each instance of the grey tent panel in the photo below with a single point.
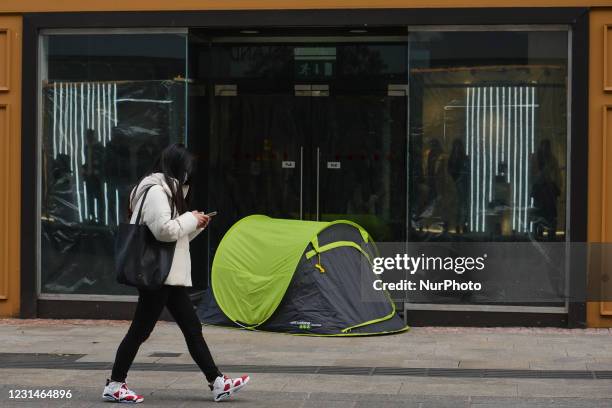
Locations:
(326, 303)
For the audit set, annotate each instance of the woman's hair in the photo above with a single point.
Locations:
(176, 163)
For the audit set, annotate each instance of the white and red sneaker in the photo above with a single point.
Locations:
(119, 392)
(224, 387)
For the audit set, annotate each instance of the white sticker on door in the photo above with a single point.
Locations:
(333, 165)
(288, 165)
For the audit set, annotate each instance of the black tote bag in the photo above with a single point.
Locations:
(140, 259)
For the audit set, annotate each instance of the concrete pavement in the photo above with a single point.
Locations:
(425, 367)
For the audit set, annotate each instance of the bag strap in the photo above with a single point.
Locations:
(144, 197)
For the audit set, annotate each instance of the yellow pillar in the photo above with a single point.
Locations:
(10, 162)
(599, 314)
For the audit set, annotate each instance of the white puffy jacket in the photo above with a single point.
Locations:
(166, 226)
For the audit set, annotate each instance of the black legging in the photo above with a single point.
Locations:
(150, 305)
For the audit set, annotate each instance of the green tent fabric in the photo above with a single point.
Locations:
(300, 277)
(253, 268)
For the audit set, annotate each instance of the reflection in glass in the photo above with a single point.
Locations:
(366, 136)
(488, 135)
(338, 155)
(487, 156)
(492, 113)
(101, 129)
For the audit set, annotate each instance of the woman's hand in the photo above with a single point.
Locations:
(202, 218)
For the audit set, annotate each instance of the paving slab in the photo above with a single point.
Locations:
(540, 403)
(460, 349)
(565, 388)
(495, 364)
(385, 404)
(455, 387)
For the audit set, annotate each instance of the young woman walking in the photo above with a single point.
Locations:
(165, 212)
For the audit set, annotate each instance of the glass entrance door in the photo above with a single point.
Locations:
(256, 157)
(311, 128)
(361, 161)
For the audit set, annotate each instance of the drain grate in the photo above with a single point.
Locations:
(500, 373)
(279, 369)
(454, 372)
(70, 362)
(575, 374)
(401, 371)
(345, 370)
(603, 375)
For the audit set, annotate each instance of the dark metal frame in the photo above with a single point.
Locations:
(577, 17)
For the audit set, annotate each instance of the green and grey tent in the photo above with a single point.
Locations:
(300, 277)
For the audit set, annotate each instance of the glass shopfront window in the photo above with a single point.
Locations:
(488, 150)
(110, 102)
(488, 135)
(430, 134)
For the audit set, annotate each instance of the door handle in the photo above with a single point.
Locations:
(318, 178)
(301, 182)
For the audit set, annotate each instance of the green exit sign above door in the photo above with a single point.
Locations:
(314, 62)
